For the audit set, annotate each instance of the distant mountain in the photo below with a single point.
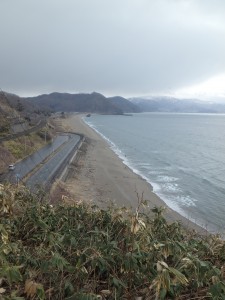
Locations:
(74, 102)
(92, 103)
(170, 104)
(32, 108)
(125, 105)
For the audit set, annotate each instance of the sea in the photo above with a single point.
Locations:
(181, 155)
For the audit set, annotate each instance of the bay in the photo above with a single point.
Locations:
(181, 155)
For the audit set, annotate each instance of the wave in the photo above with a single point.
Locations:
(164, 186)
(165, 178)
(187, 179)
(157, 188)
(171, 188)
(123, 157)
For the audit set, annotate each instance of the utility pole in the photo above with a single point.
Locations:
(25, 144)
(17, 179)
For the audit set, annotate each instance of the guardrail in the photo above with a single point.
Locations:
(66, 161)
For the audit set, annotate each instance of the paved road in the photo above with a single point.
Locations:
(26, 165)
(48, 161)
(49, 171)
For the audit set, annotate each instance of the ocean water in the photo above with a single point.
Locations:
(181, 155)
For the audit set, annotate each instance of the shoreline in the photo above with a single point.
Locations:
(142, 176)
(103, 177)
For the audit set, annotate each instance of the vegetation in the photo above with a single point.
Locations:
(4, 118)
(83, 252)
(27, 144)
(4, 129)
(45, 134)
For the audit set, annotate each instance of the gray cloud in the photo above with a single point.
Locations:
(126, 47)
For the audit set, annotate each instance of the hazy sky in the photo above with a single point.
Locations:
(116, 47)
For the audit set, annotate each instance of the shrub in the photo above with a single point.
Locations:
(83, 252)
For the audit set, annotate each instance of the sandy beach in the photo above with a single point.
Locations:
(99, 176)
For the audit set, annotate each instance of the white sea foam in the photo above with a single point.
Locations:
(121, 155)
(156, 187)
(186, 201)
(165, 178)
(170, 189)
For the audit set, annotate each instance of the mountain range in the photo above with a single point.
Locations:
(98, 103)
(91, 103)
(175, 105)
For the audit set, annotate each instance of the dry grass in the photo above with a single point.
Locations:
(17, 149)
(82, 252)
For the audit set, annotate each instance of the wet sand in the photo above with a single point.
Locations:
(98, 175)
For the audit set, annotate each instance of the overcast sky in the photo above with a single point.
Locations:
(116, 47)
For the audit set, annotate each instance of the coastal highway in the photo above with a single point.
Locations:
(52, 167)
(45, 164)
(25, 166)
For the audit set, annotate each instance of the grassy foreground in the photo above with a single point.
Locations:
(83, 252)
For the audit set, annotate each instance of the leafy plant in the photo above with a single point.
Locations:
(83, 252)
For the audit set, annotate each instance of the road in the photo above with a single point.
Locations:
(52, 167)
(48, 161)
